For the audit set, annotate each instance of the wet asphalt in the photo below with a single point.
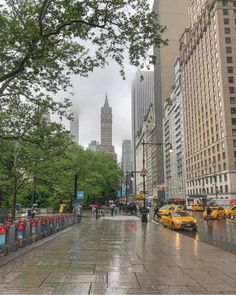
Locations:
(220, 233)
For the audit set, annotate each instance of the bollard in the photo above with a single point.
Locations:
(21, 233)
(3, 234)
(34, 232)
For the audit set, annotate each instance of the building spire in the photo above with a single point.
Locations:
(106, 101)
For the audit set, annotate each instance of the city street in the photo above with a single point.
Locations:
(120, 255)
(220, 233)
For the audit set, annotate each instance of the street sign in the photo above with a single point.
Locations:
(80, 195)
(144, 172)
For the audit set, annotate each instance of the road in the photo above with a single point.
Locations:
(220, 233)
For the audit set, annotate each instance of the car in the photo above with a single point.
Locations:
(231, 212)
(216, 212)
(198, 207)
(179, 220)
(169, 208)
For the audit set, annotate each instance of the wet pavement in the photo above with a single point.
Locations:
(120, 255)
(219, 233)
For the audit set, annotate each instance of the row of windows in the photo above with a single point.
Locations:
(208, 180)
(209, 190)
(226, 12)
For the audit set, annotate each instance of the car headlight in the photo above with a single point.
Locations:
(177, 221)
(195, 221)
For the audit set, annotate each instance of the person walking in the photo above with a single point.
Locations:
(112, 209)
(208, 211)
(156, 211)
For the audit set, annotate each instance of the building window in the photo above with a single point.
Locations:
(235, 154)
(233, 110)
(225, 12)
(226, 21)
(228, 49)
(225, 177)
(234, 143)
(229, 59)
(231, 80)
(232, 100)
(226, 188)
(227, 30)
(231, 90)
(227, 40)
(230, 69)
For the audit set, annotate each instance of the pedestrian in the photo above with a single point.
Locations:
(112, 209)
(156, 211)
(116, 210)
(208, 213)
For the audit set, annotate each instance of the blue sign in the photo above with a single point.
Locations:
(118, 194)
(80, 195)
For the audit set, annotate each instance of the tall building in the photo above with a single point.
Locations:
(126, 164)
(74, 125)
(208, 64)
(173, 14)
(93, 145)
(126, 160)
(145, 156)
(142, 97)
(173, 130)
(106, 129)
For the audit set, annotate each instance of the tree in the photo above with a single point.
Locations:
(43, 42)
(34, 142)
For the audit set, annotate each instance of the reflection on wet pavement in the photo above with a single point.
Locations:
(120, 255)
(220, 233)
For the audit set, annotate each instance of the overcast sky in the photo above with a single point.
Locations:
(89, 96)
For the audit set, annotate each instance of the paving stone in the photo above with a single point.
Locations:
(105, 257)
(174, 290)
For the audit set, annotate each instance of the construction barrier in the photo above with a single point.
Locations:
(21, 233)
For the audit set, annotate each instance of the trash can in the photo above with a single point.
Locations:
(144, 214)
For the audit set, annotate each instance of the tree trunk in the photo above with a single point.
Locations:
(14, 190)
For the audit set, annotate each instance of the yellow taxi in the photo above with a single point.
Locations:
(216, 212)
(231, 212)
(169, 208)
(198, 207)
(179, 220)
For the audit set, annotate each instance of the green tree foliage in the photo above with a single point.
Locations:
(43, 42)
(41, 166)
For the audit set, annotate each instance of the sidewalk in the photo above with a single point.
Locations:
(119, 255)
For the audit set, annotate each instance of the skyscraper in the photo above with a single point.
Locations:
(208, 64)
(142, 99)
(106, 129)
(126, 161)
(173, 14)
(93, 145)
